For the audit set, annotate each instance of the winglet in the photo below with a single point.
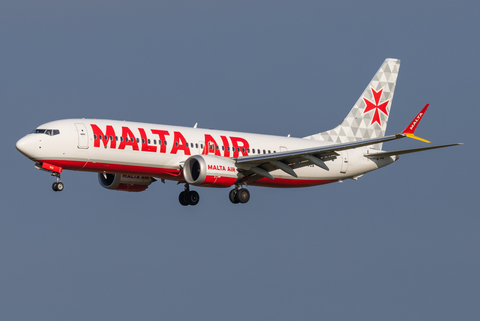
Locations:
(410, 130)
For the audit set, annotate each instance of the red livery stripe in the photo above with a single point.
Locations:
(175, 174)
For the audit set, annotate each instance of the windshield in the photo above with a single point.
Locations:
(50, 132)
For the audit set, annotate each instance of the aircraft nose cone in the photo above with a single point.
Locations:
(26, 146)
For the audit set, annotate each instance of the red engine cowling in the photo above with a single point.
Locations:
(128, 183)
(210, 171)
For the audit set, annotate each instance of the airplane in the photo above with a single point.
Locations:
(129, 156)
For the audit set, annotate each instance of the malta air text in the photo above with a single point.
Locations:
(221, 168)
(155, 141)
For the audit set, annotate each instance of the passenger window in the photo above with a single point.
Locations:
(111, 138)
(154, 142)
(121, 138)
(143, 140)
(258, 151)
(176, 144)
(196, 145)
(264, 151)
(253, 151)
(148, 140)
(131, 139)
(116, 138)
(165, 143)
(94, 136)
(138, 140)
(269, 152)
(100, 136)
(223, 147)
(159, 142)
(238, 149)
(243, 150)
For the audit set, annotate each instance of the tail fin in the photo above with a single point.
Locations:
(369, 116)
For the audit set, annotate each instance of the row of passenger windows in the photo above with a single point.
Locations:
(50, 132)
(192, 145)
(107, 138)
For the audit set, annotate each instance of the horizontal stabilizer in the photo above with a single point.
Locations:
(406, 151)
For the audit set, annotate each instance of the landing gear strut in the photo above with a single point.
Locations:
(239, 195)
(188, 197)
(58, 185)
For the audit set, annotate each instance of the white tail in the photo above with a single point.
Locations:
(369, 116)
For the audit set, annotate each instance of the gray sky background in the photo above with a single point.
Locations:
(401, 243)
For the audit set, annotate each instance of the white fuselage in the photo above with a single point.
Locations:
(121, 147)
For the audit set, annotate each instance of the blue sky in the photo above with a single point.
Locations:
(399, 243)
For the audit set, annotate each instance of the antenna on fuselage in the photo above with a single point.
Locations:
(195, 126)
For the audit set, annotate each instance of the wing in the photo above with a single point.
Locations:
(289, 160)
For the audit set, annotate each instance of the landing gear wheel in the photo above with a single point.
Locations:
(182, 198)
(243, 195)
(55, 186)
(60, 186)
(233, 196)
(192, 198)
(188, 197)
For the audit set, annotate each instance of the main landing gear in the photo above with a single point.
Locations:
(236, 195)
(58, 185)
(188, 197)
(239, 195)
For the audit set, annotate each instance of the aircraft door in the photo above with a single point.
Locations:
(344, 162)
(82, 136)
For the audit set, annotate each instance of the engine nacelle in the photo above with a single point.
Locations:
(210, 171)
(129, 183)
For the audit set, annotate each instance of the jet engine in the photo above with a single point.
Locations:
(128, 183)
(210, 171)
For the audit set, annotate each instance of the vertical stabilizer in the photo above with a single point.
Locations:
(369, 116)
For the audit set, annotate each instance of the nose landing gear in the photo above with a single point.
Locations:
(55, 171)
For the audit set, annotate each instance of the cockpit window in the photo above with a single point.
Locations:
(50, 132)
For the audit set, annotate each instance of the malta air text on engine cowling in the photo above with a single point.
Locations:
(155, 141)
(221, 168)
